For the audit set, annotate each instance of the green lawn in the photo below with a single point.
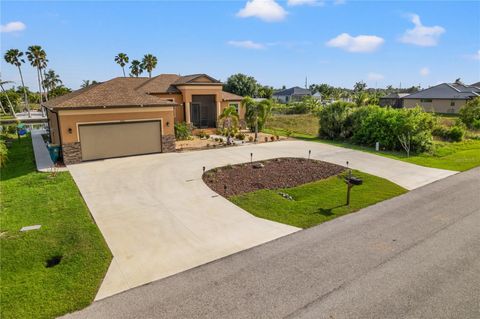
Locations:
(28, 288)
(456, 156)
(317, 202)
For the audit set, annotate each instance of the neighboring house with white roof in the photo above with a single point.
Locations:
(443, 98)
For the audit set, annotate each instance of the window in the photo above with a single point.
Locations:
(426, 100)
(452, 103)
(235, 105)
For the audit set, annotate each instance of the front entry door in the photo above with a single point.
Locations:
(195, 114)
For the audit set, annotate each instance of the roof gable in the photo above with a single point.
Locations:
(196, 79)
(444, 91)
(296, 90)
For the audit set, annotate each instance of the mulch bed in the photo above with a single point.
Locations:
(276, 173)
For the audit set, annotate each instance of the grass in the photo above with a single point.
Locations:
(28, 288)
(455, 156)
(296, 123)
(317, 202)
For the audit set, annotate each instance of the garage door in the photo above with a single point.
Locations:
(120, 139)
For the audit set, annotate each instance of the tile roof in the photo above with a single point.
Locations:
(293, 91)
(128, 91)
(446, 91)
(227, 96)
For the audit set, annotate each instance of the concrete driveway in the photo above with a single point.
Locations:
(159, 218)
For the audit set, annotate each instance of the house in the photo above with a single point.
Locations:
(131, 116)
(442, 98)
(291, 95)
(394, 100)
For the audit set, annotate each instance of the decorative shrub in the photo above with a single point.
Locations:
(202, 134)
(333, 120)
(454, 133)
(240, 136)
(251, 138)
(182, 131)
(272, 138)
(266, 138)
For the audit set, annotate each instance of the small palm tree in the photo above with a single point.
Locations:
(257, 113)
(38, 59)
(149, 63)
(14, 57)
(87, 83)
(52, 80)
(229, 117)
(136, 68)
(122, 60)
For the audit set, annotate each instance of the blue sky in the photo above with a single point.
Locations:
(277, 42)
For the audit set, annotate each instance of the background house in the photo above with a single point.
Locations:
(442, 98)
(291, 95)
(394, 100)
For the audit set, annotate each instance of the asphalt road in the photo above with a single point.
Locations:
(414, 256)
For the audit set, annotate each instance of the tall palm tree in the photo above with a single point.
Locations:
(38, 59)
(136, 68)
(10, 105)
(149, 63)
(122, 60)
(14, 57)
(52, 80)
(257, 113)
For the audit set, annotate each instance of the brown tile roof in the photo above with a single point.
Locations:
(115, 92)
(130, 92)
(227, 96)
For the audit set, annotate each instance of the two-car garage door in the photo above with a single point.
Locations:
(105, 140)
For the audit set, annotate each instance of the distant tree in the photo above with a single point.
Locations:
(9, 99)
(359, 86)
(14, 57)
(136, 68)
(265, 92)
(242, 85)
(361, 98)
(122, 60)
(51, 80)
(470, 114)
(149, 63)
(87, 83)
(59, 91)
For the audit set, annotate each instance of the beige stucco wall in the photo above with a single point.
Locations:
(70, 119)
(241, 107)
(179, 109)
(437, 105)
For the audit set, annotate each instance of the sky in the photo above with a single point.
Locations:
(338, 42)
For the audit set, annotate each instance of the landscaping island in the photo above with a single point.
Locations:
(297, 191)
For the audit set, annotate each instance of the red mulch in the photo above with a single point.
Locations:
(277, 173)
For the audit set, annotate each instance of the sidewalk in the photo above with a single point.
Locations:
(42, 156)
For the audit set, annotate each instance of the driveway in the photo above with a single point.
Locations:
(413, 256)
(159, 218)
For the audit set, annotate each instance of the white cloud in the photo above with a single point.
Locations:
(305, 2)
(14, 26)
(424, 71)
(361, 43)
(247, 44)
(422, 35)
(267, 10)
(375, 76)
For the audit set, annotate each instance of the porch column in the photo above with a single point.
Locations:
(219, 108)
(187, 112)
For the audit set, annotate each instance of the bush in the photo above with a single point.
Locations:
(454, 133)
(333, 120)
(251, 138)
(202, 134)
(240, 136)
(3, 154)
(470, 114)
(182, 131)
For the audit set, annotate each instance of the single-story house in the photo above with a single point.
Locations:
(130, 116)
(394, 100)
(442, 98)
(291, 95)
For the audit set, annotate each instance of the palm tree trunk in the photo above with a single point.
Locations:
(40, 87)
(42, 92)
(27, 104)
(123, 69)
(149, 74)
(1, 106)
(44, 86)
(9, 102)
